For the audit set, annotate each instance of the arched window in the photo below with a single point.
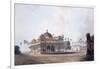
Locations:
(48, 47)
(52, 48)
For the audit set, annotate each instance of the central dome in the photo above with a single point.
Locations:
(46, 35)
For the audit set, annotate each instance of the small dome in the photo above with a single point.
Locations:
(33, 41)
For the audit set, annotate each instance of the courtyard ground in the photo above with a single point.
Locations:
(23, 59)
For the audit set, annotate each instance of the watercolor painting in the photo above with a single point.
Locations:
(53, 34)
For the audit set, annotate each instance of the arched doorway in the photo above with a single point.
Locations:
(50, 49)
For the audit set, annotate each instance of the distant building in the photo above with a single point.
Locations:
(48, 44)
(78, 46)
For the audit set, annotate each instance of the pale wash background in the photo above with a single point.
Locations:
(5, 37)
(33, 20)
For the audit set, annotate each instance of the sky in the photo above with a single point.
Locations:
(33, 20)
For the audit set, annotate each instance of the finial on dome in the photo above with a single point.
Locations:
(47, 30)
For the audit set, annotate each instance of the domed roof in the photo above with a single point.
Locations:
(46, 35)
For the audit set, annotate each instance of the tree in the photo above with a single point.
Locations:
(90, 47)
(17, 49)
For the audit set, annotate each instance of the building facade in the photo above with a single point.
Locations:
(48, 44)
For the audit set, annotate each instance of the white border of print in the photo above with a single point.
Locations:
(69, 65)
